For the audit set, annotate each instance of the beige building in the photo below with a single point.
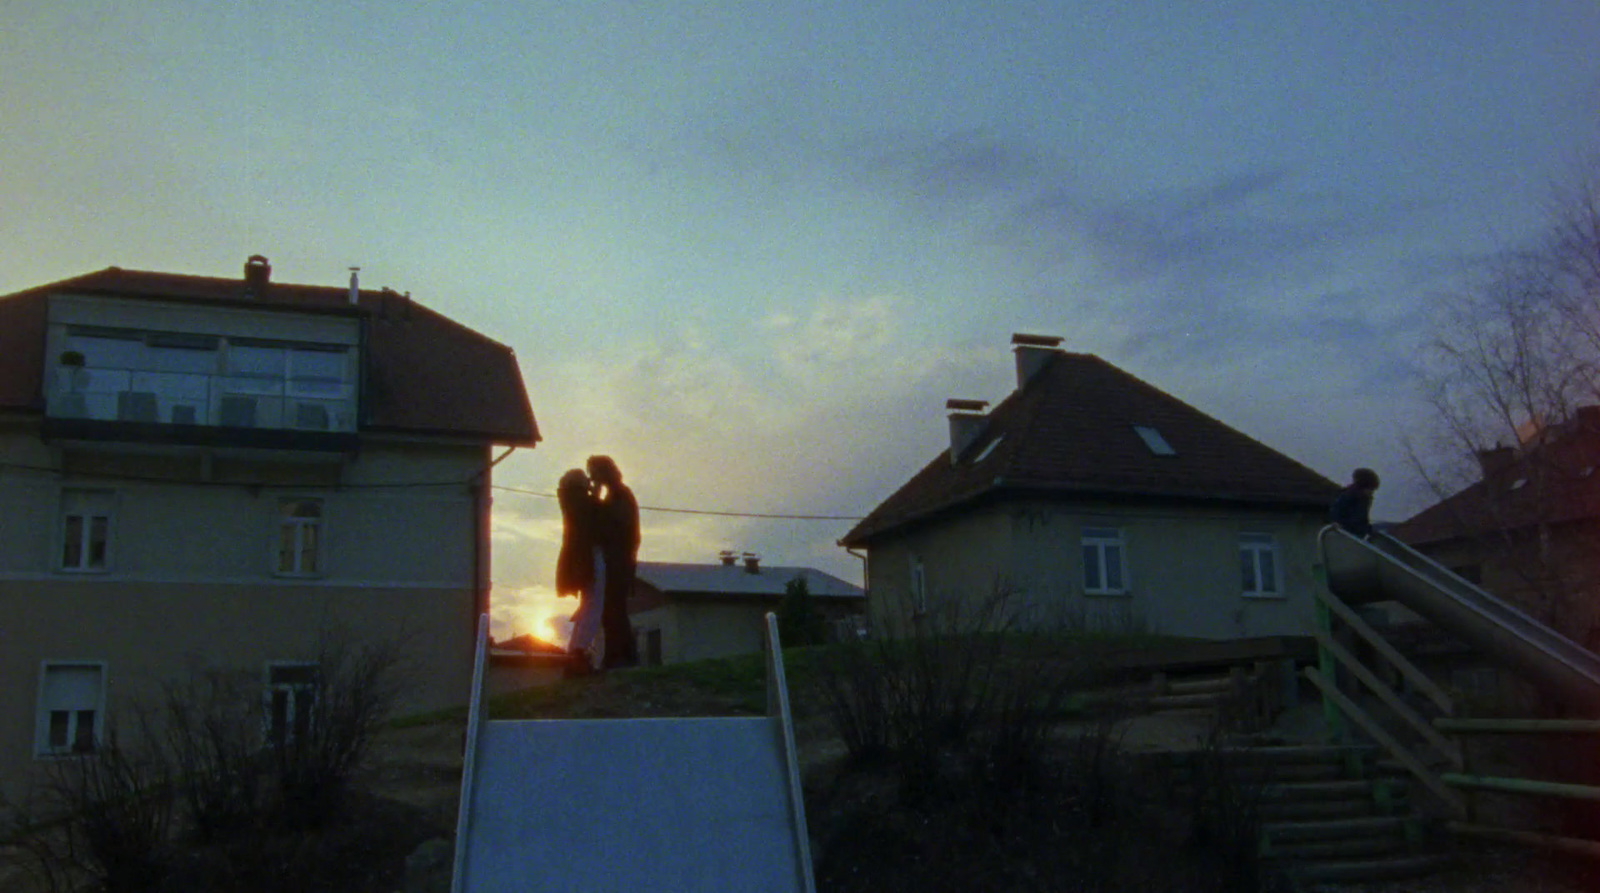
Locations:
(1097, 500)
(684, 612)
(226, 473)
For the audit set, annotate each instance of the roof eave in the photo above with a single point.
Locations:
(860, 537)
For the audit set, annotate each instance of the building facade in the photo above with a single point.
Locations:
(1094, 500)
(684, 612)
(213, 474)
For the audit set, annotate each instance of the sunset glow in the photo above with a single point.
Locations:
(535, 611)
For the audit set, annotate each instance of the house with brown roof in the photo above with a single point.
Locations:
(1096, 498)
(227, 472)
(684, 611)
(1528, 529)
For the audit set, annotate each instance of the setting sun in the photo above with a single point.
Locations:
(533, 610)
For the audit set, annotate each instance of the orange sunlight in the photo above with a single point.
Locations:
(535, 611)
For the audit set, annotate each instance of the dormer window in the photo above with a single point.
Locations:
(1152, 438)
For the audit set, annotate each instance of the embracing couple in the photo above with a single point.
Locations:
(599, 548)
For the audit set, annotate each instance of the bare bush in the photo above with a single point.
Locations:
(212, 732)
(102, 820)
(353, 691)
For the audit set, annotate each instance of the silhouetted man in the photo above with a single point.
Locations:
(1353, 507)
(617, 533)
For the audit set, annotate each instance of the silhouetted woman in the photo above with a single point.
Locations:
(581, 567)
(617, 532)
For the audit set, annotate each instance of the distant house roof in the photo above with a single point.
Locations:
(424, 372)
(733, 580)
(1554, 478)
(1081, 427)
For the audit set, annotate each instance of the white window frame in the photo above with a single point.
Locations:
(42, 748)
(1101, 540)
(294, 693)
(919, 587)
(296, 526)
(1252, 546)
(87, 504)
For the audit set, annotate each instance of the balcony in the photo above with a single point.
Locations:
(201, 389)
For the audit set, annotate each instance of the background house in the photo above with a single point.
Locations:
(1096, 498)
(683, 612)
(1528, 529)
(199, 471)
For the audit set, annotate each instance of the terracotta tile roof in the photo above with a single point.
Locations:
(1071, 432)
(425, 373)
(1554, 479)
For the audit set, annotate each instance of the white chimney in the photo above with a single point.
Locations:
(966, 424)
(355, 285)
(1034, 352)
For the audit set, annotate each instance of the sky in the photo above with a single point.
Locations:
(750, 249)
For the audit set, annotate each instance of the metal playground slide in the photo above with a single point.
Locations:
(697, 804)
(1385, 569)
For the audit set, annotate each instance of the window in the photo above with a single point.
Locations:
(71, 701)
(299, 537)
(1152, 438)
(1258, 564)
(86, 530)
(190, 379)
(1105, 570)
(919, 587)
(291, 700)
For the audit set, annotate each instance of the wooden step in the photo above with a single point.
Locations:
(1342, 789)
(1333, 829)
(1345, 871)
(1311, 851)
(1313, 810)
(1217, 685)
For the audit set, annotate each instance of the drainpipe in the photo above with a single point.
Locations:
(865, 581)
(478, 486)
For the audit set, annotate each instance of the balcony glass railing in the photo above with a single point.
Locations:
(187, 398)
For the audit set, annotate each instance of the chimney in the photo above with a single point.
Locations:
(728, 557)
(752, 563)
(966, 424)
(257, 273)
(1496, 461)
(355, 286)
(1034, 352)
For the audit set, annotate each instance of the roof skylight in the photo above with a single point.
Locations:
(1152, 438)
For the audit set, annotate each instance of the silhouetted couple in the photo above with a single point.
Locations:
(599, 551)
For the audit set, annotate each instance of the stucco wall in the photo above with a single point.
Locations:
(1183, 566)
(191, 571)
(701, 629)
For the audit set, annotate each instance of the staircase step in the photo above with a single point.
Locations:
(1342, 789)
(1215, 685)
(1302, 753)
(1185, 704)
(1377, 869)
(1314, 810)
(1309, 851)
(1333, 829)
